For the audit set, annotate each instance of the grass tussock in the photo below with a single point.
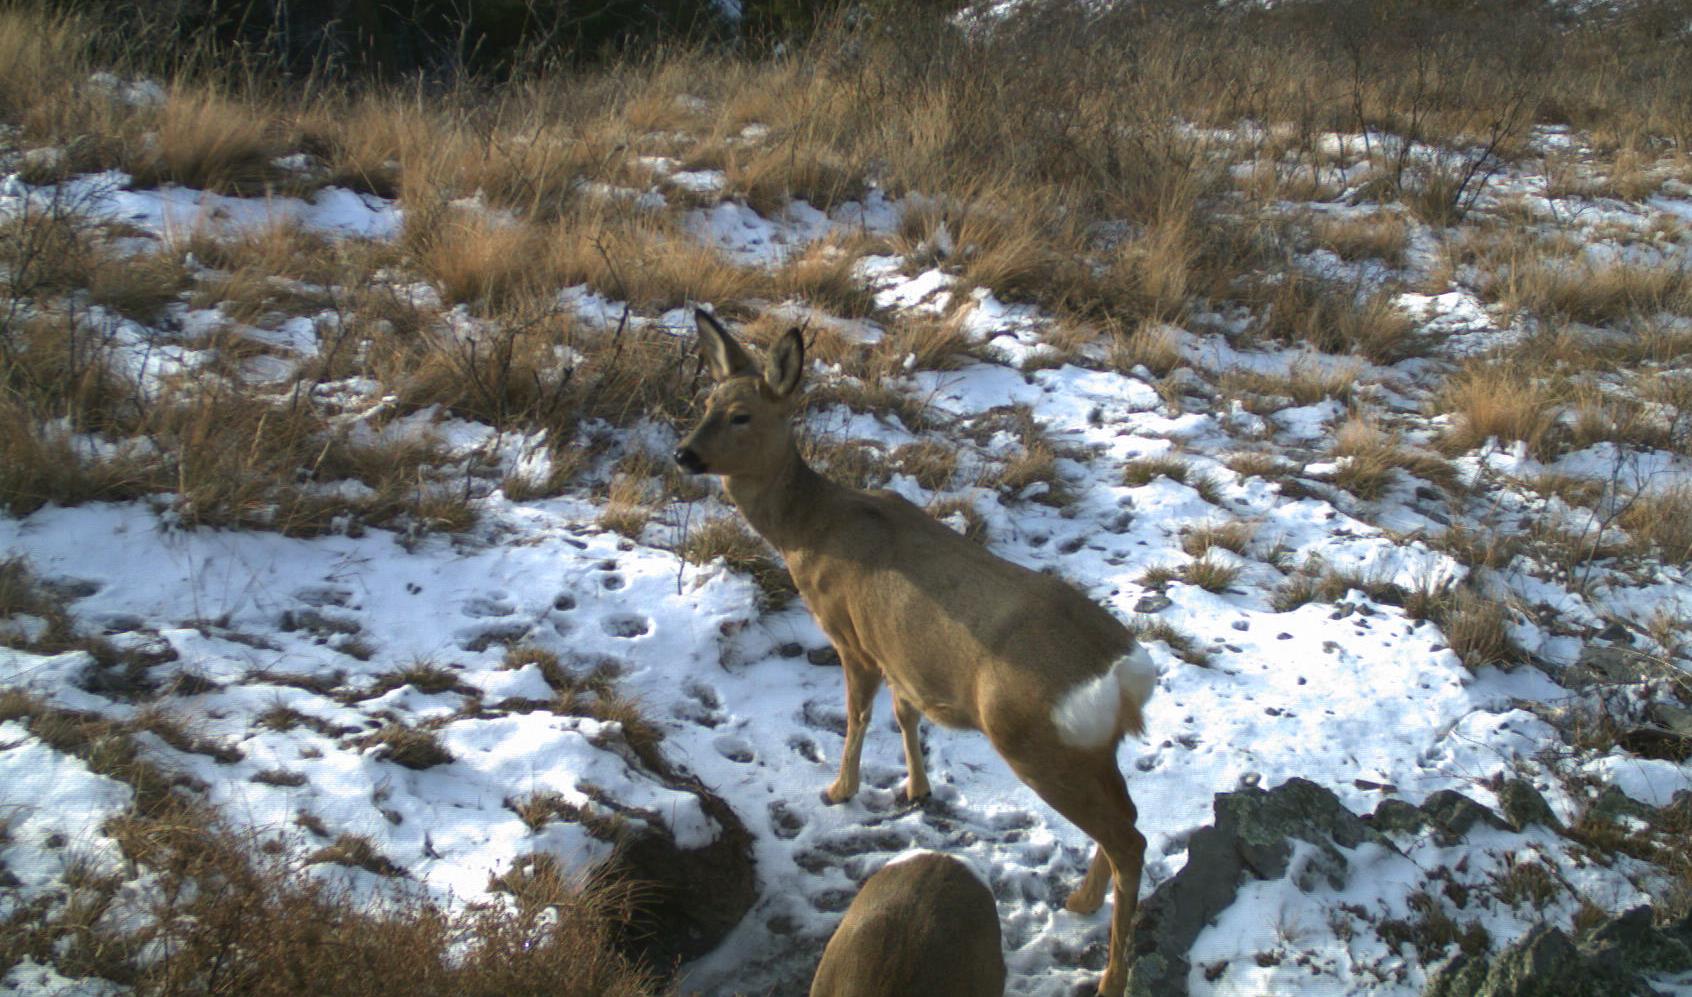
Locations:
(1660, 522)
(1499, 402)
(207, 140)
(1233, 536)
(1369, 455)
(1145, 470)
(1559, 290)
(726, 537)
(1338, 319)
(1304, 383)
(1380, 236)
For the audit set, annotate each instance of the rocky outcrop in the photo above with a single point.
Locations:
(1252, 838)
(1610, 960)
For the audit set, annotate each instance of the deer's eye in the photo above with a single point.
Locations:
(740, 418)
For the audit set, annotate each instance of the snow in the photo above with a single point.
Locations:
(1355, 700)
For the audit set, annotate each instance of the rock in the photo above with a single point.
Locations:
(1600, 664)
(824, 656)
(1250, 837)
(1397, 816)
(1545, 963)
(1154, 602)
(1522, 805)
(1614, 805)
(1454, 815)
(1608, 960)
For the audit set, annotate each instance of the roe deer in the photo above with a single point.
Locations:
(962, 636)
(921, 925)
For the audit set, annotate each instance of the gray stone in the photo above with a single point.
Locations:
(1154, 602)
(824, 656)
(1522, 805)
(1454, 815)
(1250, 838)
(1601, 664)
(1606, 961)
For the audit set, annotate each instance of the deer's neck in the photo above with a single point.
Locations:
(783, 505)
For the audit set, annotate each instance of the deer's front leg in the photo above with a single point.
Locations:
(862, 681)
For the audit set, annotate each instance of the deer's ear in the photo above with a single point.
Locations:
(786, 367)
(724, 356)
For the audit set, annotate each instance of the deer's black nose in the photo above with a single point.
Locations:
(689, 460)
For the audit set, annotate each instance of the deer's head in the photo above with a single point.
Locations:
(745, 428)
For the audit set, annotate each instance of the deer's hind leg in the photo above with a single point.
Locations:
(910, 727)
(863, 680)
(1090, 792)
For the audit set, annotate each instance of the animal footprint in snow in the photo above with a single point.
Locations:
(784, 822)
(823, 717)
(323, 595)
(492, 604)
(612, 582)
(564, 602)
(703, 706)
(805, 748)
(734, 749)
(626, 625)
(482, 638)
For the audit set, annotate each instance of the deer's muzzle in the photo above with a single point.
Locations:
(689, 461)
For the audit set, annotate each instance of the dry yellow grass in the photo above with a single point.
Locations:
(1497, 401)
(208, 140)
(1380, 236)
(1596, 294)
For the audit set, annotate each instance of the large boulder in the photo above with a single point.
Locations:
(1610, 960)
(1252, 838)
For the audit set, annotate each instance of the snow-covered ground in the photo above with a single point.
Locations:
(1351, 694)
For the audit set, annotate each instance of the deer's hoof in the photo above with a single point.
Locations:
(1082, 902)
(831, 800)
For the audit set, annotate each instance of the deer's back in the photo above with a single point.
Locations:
(939, 613)
(924, 925)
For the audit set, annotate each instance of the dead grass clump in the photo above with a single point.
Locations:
(1661, 522)
(799, 165)
(1499, 401)
(1336, 318)
(40, 55)
(918, 343)
(727, 538)
(1380, 236)
(628, 506)
(822, 276)
(138, 286)
(1210, 574)
(1156, 346)
(1150, 629)
(1477, 628)
(961, 516)
(647, 262)
(407, 746)
(1235, 536)
(206, 140)
(850, 462)
(1315, 582)
(1304, 383)
(474, 258)
(1568, 291)
(358, 852)
(1368, 456)
(1257, 464)
(1145, 470)
(930, 463)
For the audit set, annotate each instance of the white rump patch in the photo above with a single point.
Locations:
(1087, 715)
